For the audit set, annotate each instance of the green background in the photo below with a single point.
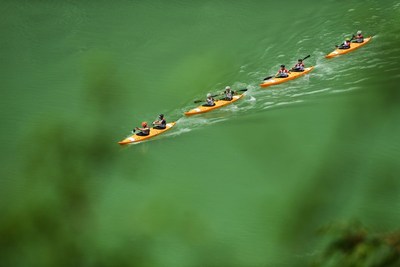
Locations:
(247, 185)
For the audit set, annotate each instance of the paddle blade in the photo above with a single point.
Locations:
(307, 57)
(198, 101)
(267, 78)
(242, 90)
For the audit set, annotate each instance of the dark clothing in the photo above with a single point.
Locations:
(161, 124)
(358, 39)
(298, 67)
(297, 70)
(345, 45)
(282, 73)
(228, 95)
(159, 127)
(142, 133)
(209, 102)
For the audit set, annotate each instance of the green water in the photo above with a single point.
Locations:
(247, 185)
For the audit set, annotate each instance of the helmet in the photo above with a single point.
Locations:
(144, 124)
(208, 95)
(228, 88)
(300, 59)
(282, 66)
(161, 116)
(347, 39)
(359, 32)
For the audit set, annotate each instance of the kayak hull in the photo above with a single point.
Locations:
(353, 46)
(293, 75)
(218, 104)
(153, 132)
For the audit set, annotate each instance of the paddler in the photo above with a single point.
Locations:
(299, 67)
(209, 101)
(228, 94)
(345, 44)
(282, 73)
(359, 38)
(160, 123)
(145, 130)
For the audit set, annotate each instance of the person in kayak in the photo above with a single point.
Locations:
(282, 73)
(299, 67)
(359, 38)
(160, 123)
(209, 101)
(228, 94)
(345, 44)
(145, 130)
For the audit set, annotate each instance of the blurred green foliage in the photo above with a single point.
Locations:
(53, 225)
(335, 156)
(353, 245)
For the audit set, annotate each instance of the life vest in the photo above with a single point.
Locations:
(360, 38)
(210, 101)
(163, 123)
(229, 94)
(283, 71)
(299, 66)
(146, 130)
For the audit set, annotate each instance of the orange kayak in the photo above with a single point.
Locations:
(153, 132)
(218, 104)
(292, 75)
(353, 46)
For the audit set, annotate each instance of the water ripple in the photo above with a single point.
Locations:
(311, 92)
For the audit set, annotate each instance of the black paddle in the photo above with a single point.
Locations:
(241, 90)
(269, 77)
(306, 57)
